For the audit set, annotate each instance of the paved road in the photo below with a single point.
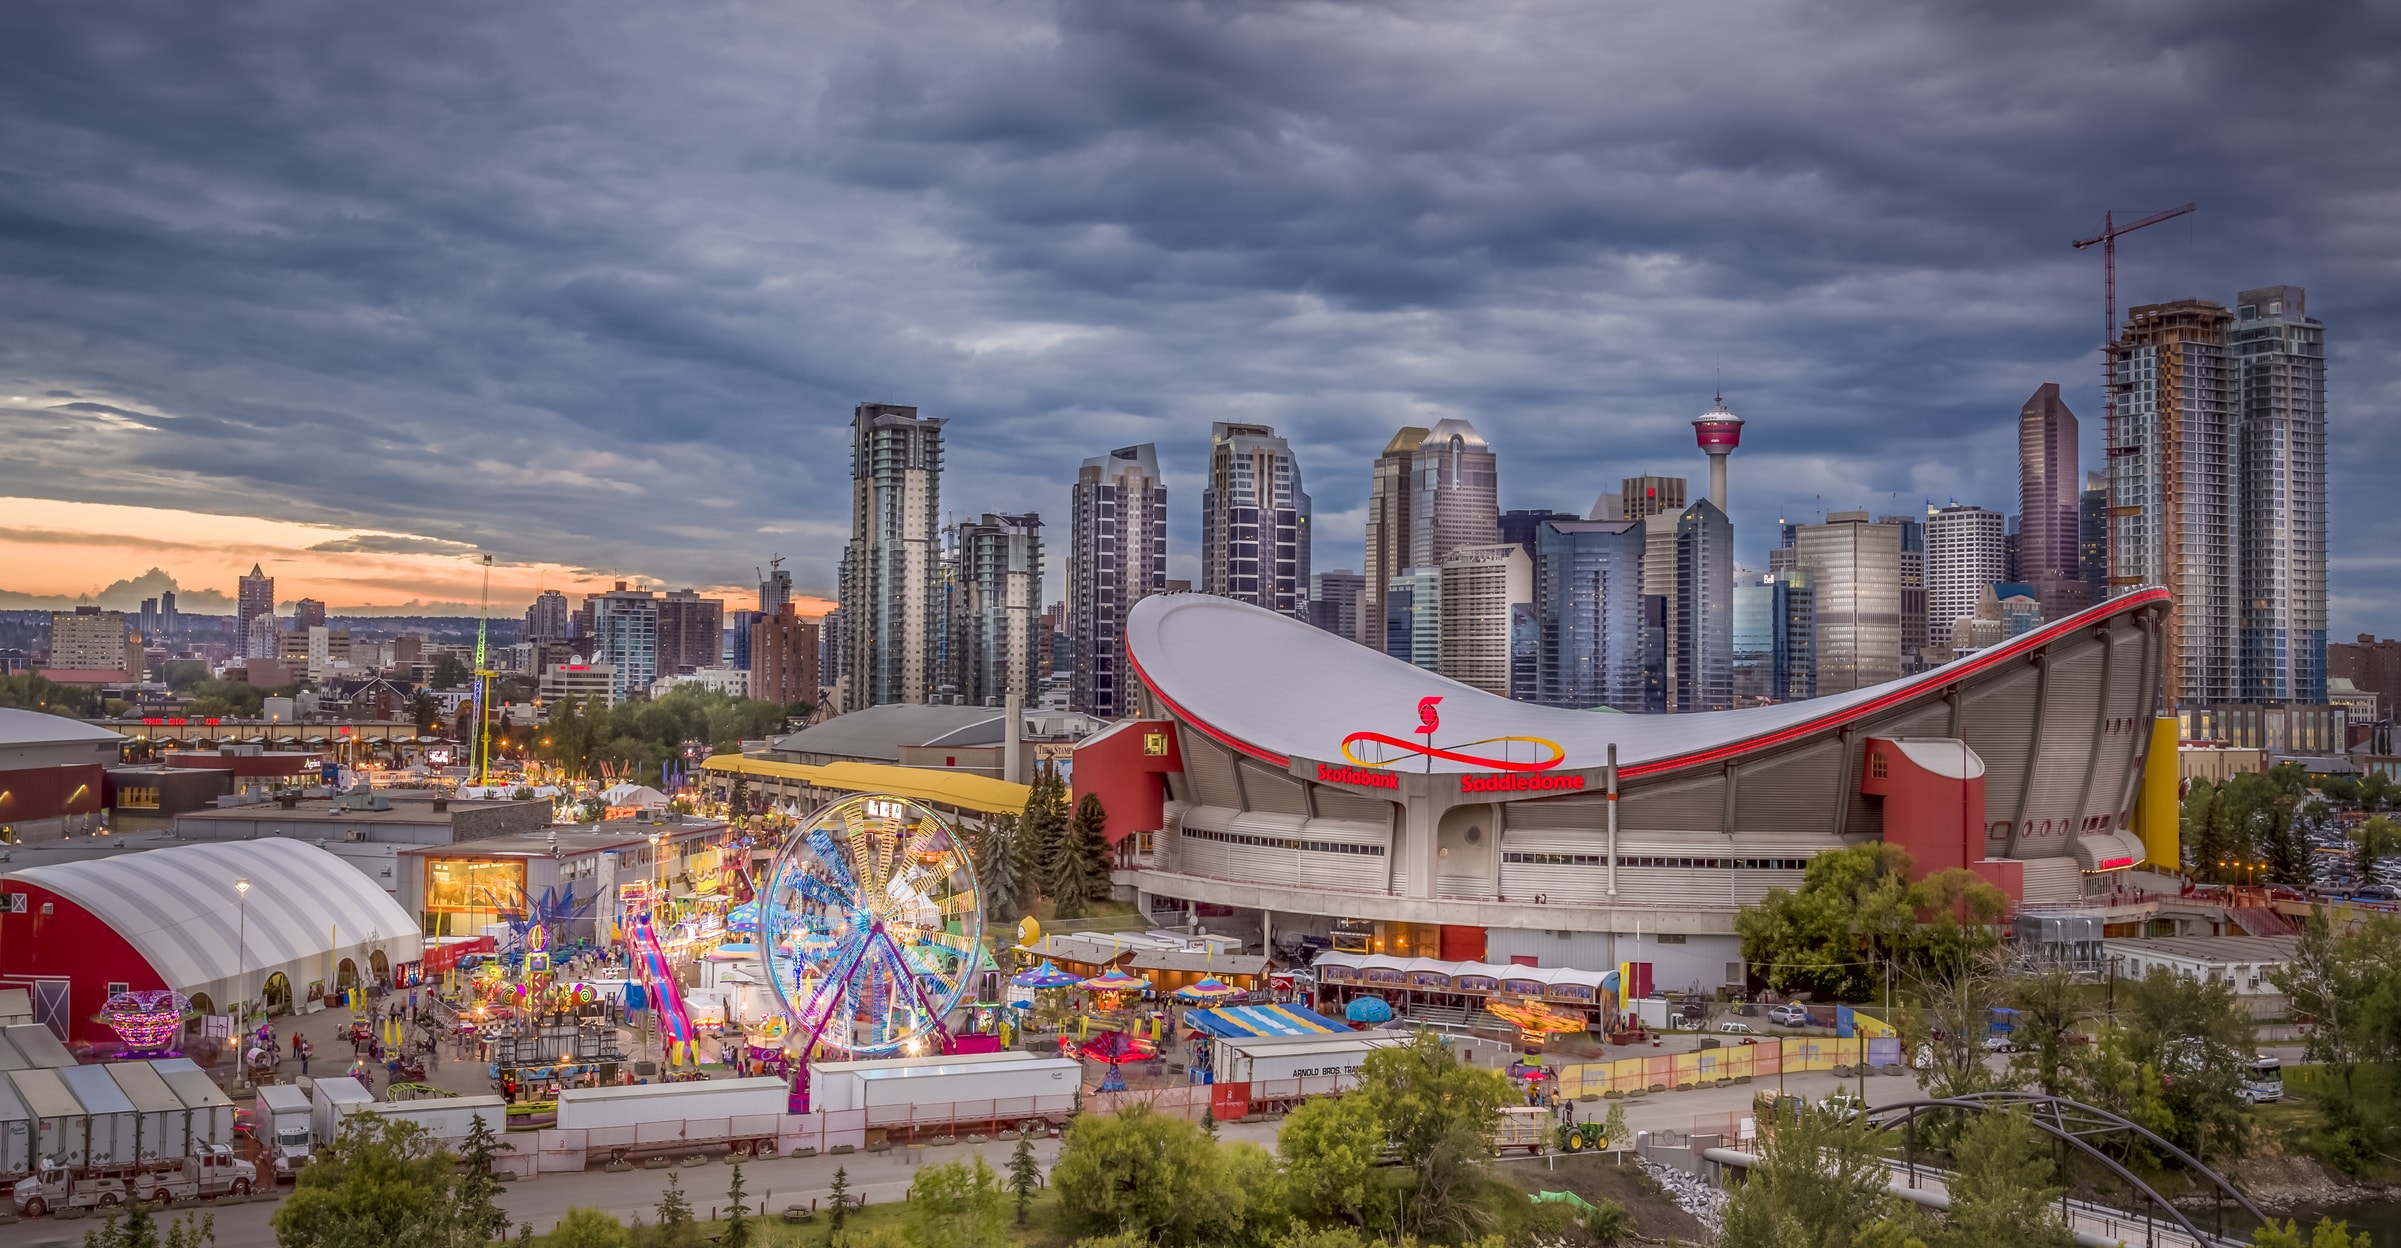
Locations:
(881, 1177)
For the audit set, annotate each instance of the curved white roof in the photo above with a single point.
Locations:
(177, 907)
(22, 727)
(1274, 687)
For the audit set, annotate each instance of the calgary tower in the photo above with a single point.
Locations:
(1719, 432)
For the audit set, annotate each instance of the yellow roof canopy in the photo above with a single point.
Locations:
(962, 790)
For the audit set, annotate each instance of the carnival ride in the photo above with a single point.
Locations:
(666, 996)
(869, 927)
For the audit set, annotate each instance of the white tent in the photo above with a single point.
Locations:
(305, 913)
(641, 795)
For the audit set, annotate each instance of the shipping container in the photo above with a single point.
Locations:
(162, 1128)
(704, 1099)
(211, 1109)
(109, 1117)
(58, 1134)
(942, 1080)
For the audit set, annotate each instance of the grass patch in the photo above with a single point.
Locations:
(2358, 1139)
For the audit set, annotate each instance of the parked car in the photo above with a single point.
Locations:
(1788, 1016)
(1735, 1027)
(2379, 892)
(1999, 1044)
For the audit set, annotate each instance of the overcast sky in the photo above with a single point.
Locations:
(595, 285)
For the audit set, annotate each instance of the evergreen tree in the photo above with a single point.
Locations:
(132, 1228)
(737, 800)
(186, 1233)
(475, 1199)
(676, 1228)
(997, 867)
(2002, 1191)
(1038, 830)
(1080, 860)
(737, 1220)
(1025, 1175)
(837, 1204)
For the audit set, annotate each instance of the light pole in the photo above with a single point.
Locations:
(241, 958)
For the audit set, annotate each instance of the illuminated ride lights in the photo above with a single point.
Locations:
(147, 1022)
(869, 926)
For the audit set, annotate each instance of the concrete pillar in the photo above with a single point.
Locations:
(1012, 738)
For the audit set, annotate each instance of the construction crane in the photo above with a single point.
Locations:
(2108, 241)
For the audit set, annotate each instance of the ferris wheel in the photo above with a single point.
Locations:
(870, 926)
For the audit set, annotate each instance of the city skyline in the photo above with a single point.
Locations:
(627, 363)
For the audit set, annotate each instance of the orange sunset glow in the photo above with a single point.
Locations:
(71, 550)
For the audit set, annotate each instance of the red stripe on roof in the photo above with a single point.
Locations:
(2013, 649)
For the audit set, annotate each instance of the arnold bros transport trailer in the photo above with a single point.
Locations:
(1328, 1062)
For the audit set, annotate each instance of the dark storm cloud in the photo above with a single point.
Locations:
(599, 283)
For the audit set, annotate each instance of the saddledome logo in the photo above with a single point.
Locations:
(1373, 754)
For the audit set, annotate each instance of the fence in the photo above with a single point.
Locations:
(1764, 1060)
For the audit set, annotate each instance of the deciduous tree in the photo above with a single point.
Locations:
(2001, 1189)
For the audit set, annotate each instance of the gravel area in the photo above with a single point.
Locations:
(1692, 1194)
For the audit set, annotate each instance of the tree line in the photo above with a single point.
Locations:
(1044, 851)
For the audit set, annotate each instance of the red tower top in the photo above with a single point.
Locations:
(1717, 430)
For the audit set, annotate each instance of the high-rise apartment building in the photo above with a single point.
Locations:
(833, 640)
(892, 569)
(1795, 646)
(691, 632)
(2280, 495)
(1914, 604)
(1455, 487)
(776, 590)
(1963, 559)
(783, 656)
(1255, 520)
(1855, 575)
(1117, 556)
(625, 635)
(88, 639)
(1704, 620)
(254, 597)
(1589, 614)
(307, 613)
(1000, 564)
(1334, 599)
(149, 617)
(2048, 499)
(1481, 587)
(547, 617)
(1521, 526)
(2172, 468)
(1754, 638)
(1413, 617)
(2092, 536)
(1391, 493)
(166, 613)
(1640, 498)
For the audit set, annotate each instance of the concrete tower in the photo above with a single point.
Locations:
(1719, 432)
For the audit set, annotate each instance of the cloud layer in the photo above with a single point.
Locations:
(596, 284)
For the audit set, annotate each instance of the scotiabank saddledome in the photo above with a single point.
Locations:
(1288, 772)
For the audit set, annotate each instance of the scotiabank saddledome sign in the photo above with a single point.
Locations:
(1373, 755)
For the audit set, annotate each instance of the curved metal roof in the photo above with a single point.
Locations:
(177, 907)
(1273, 687)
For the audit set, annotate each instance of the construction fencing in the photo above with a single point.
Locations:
(1768, 1058)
